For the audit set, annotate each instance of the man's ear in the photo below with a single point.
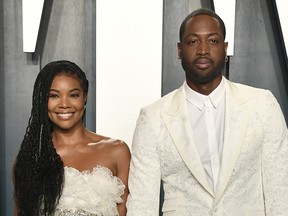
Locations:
(226, 47)
(179, 47)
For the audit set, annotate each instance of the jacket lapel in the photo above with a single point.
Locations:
(177, 123)
(235, 127)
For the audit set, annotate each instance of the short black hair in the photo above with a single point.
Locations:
(202, 11)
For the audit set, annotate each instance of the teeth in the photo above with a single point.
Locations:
(64, 115)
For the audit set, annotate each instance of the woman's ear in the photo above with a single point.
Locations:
(85, 99)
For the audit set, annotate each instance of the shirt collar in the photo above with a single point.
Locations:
(198, 99)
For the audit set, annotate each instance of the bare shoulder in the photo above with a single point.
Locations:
(114, 146)
(115, 154)
(119, 151)
(117, 147)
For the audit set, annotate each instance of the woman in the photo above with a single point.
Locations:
(62, 168)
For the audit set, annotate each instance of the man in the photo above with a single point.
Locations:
(220, 148)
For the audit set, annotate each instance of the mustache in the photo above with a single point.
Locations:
(202, 60)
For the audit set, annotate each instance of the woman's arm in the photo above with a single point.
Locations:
(122, 157)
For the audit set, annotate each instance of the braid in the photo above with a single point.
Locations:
(39, 171)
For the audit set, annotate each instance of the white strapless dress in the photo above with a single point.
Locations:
(90, 193)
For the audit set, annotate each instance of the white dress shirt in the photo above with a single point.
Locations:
(206, 115)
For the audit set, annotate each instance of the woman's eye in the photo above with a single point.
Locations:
(53, 96)
(75, 95)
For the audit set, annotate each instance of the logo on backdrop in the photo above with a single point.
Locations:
(32, 13)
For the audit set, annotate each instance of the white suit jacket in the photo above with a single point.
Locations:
(253, 178)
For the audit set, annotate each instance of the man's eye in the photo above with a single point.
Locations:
(213, 41)
(192, 42)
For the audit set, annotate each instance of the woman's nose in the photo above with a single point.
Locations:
(64, 102)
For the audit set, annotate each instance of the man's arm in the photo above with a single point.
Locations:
(275, 160)
(144, 177)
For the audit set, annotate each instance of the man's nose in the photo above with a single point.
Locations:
(203, 48)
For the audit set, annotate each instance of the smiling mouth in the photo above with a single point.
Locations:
(64, 115)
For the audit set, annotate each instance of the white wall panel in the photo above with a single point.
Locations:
(32, 12)
(282, 6)
(128, 63)
(226, 10)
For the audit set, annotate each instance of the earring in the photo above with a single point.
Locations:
(226, 59)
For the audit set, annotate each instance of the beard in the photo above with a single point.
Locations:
(204, 76)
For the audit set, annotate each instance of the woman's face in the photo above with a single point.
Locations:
(66, 102)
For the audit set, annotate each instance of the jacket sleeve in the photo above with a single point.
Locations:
(144, 177)
(275, 160)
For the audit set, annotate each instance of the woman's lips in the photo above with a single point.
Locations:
(64, 116)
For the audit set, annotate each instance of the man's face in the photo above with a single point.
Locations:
(202, 50)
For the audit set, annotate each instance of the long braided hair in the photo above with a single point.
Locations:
(38, 170)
